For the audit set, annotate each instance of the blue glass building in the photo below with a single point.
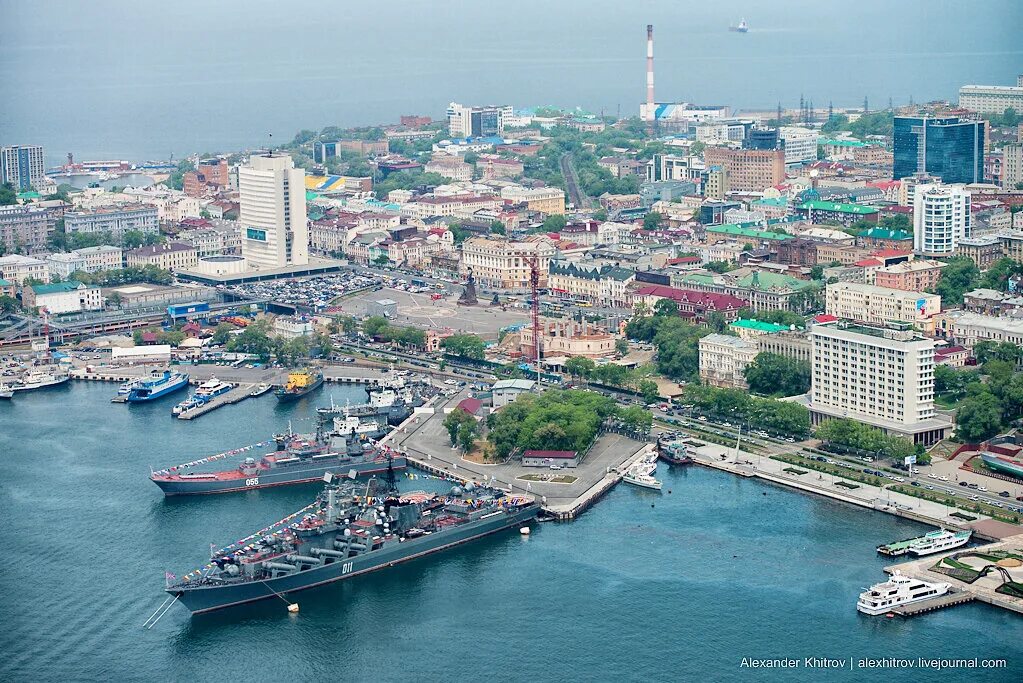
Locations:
(949, 148)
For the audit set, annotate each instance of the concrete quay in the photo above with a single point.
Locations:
(981, 590)
(236, 395)
(865, 495)
(426, 444)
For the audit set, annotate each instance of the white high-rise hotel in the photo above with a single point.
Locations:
(272, 213)
(941, 217)
(883, 377)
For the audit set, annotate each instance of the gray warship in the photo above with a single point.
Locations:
(389, 404)
(299, 458)
(350, 529)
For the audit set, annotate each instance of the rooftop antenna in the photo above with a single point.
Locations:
(270, 146)
(831, 110)
(866, 108)
(890, 103)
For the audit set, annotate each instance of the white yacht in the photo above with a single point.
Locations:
(938, 541)
(39, 380)
(899, 590)
(639, 475)
(6, 391)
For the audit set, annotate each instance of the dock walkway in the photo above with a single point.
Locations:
(947, 600)
(239, 393)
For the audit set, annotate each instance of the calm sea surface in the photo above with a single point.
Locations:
(645, 586)
(143, 80)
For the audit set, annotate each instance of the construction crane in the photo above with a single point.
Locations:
(534, 285)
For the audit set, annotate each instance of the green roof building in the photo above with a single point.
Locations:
(732, 230)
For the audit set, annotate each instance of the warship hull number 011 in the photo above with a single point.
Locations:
(349, 530)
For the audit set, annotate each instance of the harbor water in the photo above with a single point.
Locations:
(678, 585)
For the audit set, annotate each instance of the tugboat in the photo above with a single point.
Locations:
(673, 452)
(350, 529)
(299, 384)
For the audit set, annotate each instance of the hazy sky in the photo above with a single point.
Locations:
(141, 80)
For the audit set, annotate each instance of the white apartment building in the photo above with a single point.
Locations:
(474, 122)
(966, 329)
(450, 167)
(503, 263)
(1012, 165)
(115, 220)
(800, 144)
(879, 305)
(63, 297)
(941, 217)
(87, 260)
(992, 99)
(273, 212)
(724, 359)
(883, 377)
(16, 268)
(23, 166)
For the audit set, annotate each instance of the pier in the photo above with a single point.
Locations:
(236, 395)
(425, 442)
(948, 600)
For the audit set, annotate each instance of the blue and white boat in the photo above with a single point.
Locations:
(157, 386)
(207, 391)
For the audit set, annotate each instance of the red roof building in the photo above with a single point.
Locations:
(691, 303)
(470, 405)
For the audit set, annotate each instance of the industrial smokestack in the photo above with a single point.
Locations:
(650, 70)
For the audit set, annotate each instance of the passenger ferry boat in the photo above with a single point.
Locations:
(939, 541)
(157, 386)
(39, 380)
(899, 590)
(931, 542)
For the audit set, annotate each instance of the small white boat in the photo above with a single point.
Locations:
(6, 391)
(642, 479)
(260, 389)
(899, 590)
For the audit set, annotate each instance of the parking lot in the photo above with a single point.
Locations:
(422, 310)
(314, 292)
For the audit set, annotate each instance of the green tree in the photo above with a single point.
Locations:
(497, 228)
(817, 272)
(465, 345)
(978, 418)
(665, 307)
(958, 277)
(454, 421)
(8, 304)
(648, 388)
(652, 220)
(374, 325)
(622, 346)
(554, 223)
(459, 233)
(115, 299)
(771, 374)
(578, 366)
(8, 195)
(254, 339)
(716, 322)
(222, 333)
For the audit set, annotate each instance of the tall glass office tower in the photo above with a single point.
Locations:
(949, 148)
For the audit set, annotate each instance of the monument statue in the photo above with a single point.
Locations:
(468, 297)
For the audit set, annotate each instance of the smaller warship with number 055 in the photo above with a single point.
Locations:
(348, 448)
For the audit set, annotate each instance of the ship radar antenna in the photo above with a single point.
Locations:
(392, 481)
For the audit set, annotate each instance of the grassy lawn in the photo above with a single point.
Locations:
(828, 468)
(549, 478)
